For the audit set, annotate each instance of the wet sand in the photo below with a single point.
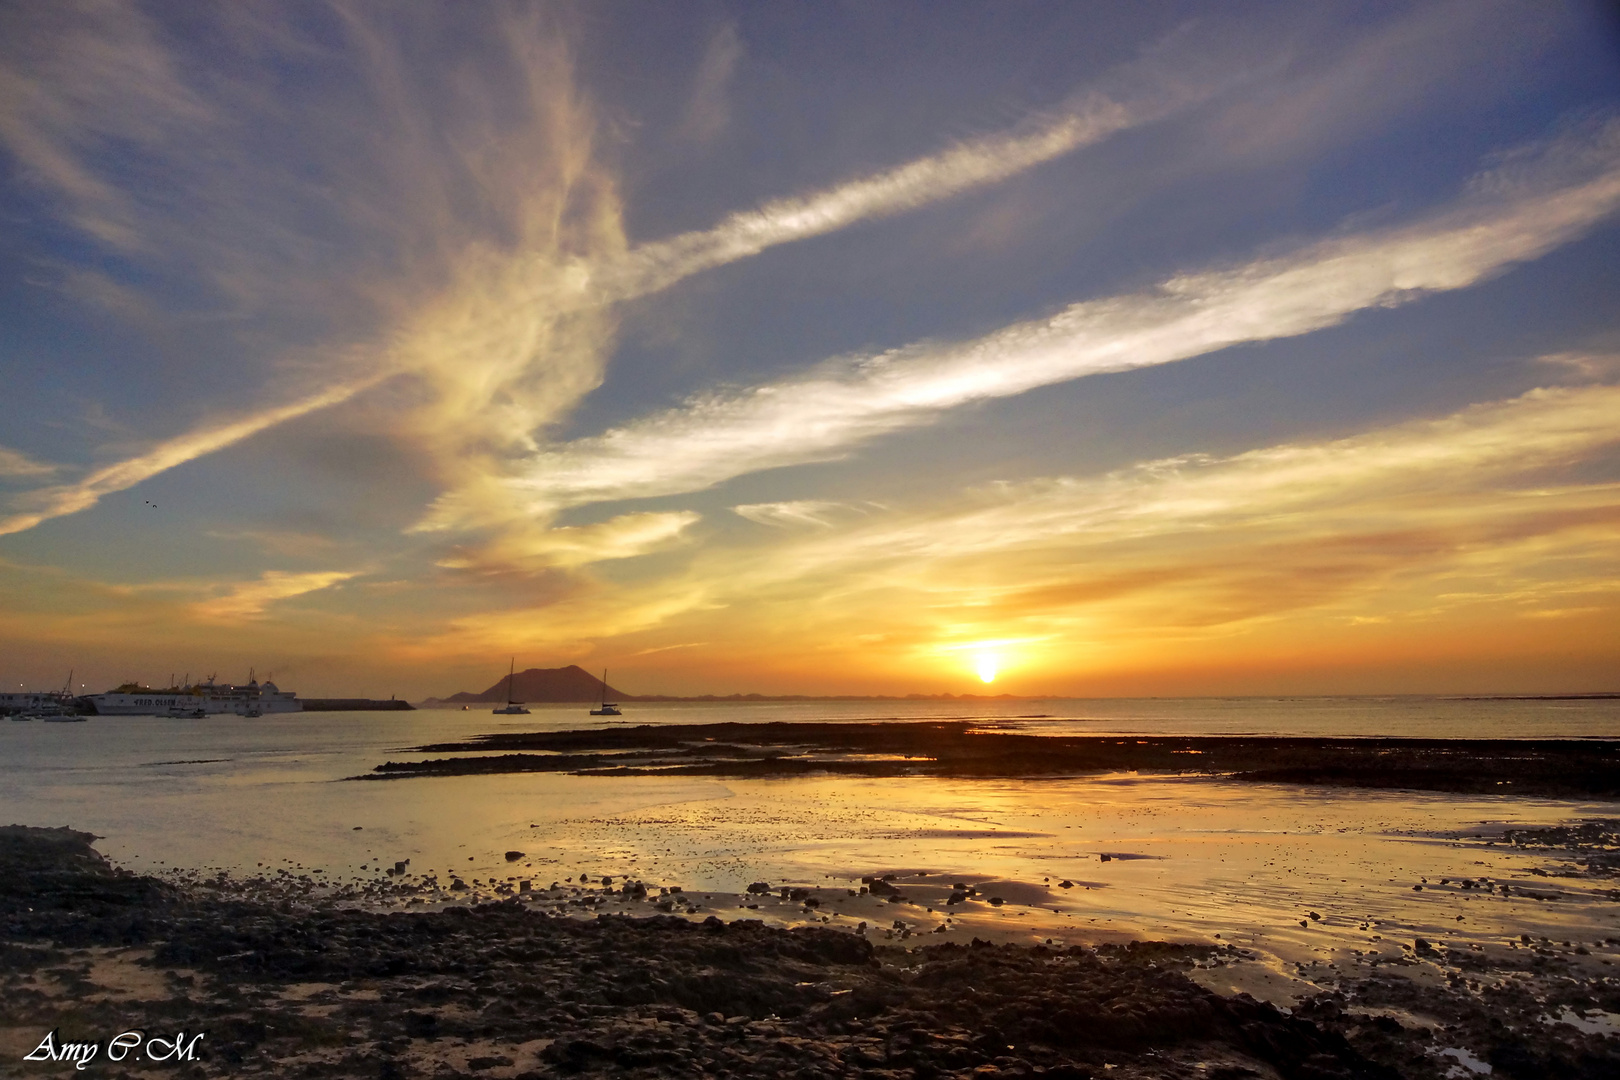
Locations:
(1556, 768)
(288, 974)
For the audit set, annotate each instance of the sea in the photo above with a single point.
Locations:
(1304, 877)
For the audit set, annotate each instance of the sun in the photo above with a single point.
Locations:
(987, 667)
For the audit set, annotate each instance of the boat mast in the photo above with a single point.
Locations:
(509, 674)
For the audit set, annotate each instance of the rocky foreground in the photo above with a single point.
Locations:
(501, 990)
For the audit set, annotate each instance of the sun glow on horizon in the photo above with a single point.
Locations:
(987, 664)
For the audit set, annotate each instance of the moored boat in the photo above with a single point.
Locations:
(513, 708)
(607, 708)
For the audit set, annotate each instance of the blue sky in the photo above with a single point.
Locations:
(825, 348)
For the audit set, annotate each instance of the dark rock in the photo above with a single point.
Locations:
(420, 1025)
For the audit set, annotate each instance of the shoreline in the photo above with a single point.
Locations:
(503, 990)
(456, 703)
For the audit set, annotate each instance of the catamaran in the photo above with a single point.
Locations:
(513, 708)
(609, 708)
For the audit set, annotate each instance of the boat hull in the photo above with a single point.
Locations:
(223, 701)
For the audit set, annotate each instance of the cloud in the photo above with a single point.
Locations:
(509, 231)
(708, 111)
(1483, 506)
(250, 599)
(107, 82)
(45, 503)
(17, 463)
(536, 547)
(418, 226)
(1497, 511)
(816, 512)
(1378, 481)
(280, 541)
(1541, 200)
(970, 164)
(668, 648)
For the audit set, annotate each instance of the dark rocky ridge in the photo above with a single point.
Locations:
(356, 705)
(1541, 767)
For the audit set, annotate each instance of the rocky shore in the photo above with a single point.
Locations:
(1554, 768)
(282, 984)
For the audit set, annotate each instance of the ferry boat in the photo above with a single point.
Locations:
(198, 699)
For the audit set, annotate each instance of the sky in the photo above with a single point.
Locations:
(1041, 348)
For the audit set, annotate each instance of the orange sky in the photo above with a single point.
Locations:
(1276, 358)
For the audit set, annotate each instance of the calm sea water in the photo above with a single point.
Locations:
(1191, 857)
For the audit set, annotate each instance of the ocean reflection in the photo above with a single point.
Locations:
(1302, 875)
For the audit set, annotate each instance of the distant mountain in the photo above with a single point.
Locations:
(571, 683)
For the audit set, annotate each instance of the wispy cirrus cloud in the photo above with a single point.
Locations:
(504, 335)
(1174, 73)
(1486, 460)
(708, 110)
(970, 164)
(540, 548)
(1541, 198)
(248, 600)
(17, 463)
(43, 504)
(815, 512)
(1487, 505)
(105, 80)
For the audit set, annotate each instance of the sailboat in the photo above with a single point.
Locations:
(513, 708)
(609, 708)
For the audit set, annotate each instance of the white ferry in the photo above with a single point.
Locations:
(200, 699)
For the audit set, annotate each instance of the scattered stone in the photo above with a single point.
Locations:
(474, 988)
(880, 887)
